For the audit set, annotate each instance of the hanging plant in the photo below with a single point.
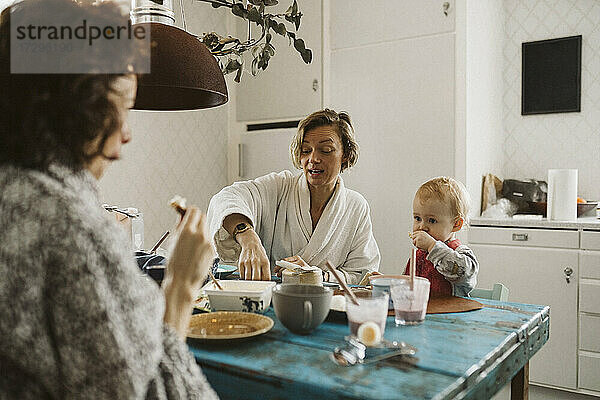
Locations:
(229, 50)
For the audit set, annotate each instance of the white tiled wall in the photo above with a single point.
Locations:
(171, 153)
(535, 143)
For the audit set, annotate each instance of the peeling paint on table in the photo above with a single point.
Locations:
(466, 355)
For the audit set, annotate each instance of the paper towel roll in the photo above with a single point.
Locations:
(562, 194)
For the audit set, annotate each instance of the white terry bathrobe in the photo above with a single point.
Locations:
(278, 204)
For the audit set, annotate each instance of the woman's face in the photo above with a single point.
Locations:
(125, 88)
(321, 156)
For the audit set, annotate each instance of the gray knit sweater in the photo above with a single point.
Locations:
(77, 318)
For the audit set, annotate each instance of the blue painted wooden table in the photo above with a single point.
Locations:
(468, 355)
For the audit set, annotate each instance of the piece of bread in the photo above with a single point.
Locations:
(179, 204)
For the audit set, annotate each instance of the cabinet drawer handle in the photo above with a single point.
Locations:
(519, 237)
(568, 271)
(240, 160)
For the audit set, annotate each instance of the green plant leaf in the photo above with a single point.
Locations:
(238, 75)
(254, 67)
(238, 10)
(280, 29)
(254, 15)
(295, 8)
(261, 63)
(299, 45)
(297, 21)
(306, 56)
(268, 37)
(231, 66)
(291, 36)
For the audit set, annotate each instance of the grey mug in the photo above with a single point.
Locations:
(301, 308)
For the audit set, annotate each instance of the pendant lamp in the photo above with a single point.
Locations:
(184, 75)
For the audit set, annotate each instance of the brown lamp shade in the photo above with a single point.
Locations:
(184, 75)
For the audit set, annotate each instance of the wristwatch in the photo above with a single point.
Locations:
(239, 228)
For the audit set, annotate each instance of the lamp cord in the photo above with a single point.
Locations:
(182, 15)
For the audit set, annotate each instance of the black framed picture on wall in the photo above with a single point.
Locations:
(551, 76)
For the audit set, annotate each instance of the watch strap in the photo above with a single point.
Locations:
(239, 228)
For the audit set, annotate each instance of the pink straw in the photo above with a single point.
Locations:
(413, 267)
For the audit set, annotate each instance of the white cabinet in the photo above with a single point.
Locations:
(288, 88)
(559, 268)
(589, 311)
(358, 23)
(536, 276)
(262, 152)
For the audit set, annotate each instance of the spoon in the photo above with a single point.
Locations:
(357, 353)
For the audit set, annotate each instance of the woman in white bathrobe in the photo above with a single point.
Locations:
(306, 218)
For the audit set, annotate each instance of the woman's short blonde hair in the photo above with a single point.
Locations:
(447, 190)
(343, 125)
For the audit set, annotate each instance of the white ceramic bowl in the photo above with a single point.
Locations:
(246, 296)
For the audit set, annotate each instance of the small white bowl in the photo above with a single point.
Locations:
(246, 296)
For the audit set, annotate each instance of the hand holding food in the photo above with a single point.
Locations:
(193, 253)
(422, 240)
(187, 268)
(179, 204)
(296, 260)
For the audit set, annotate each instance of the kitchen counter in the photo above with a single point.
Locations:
(587, 223)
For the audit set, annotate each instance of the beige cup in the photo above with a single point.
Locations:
(306, 278)
(301, 308)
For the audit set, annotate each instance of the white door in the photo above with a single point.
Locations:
(400, 96)
(536, 276)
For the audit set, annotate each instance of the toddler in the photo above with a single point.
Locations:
(440, 209)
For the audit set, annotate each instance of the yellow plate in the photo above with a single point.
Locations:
(228, 325)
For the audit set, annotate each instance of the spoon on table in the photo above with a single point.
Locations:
(357, 353)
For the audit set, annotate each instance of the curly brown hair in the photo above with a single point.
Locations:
(53, 118)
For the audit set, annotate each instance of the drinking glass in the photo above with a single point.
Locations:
(410, 306)
(371, 308)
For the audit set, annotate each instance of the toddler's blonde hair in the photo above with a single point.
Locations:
(447, 190)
